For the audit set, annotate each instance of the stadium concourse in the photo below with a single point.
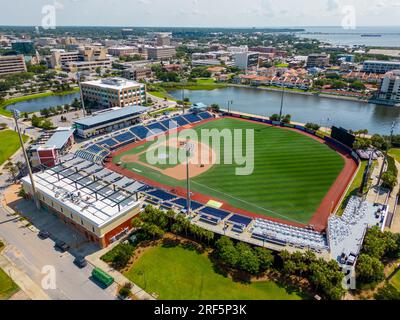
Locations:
(261, 231)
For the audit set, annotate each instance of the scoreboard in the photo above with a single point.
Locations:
(343, 136)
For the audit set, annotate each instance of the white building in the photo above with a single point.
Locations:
(376, 66)
(389, 89)
(246, 60)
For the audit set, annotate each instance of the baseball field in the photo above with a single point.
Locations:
(292, 171)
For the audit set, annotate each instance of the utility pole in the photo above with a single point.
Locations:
(386, 151)
(188, 150)
(78, 76)
(280, 112)
(21, 141)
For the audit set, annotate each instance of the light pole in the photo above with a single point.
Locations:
(21, 141)
(188, 149)
(280, 111)
(78, 76)
(230, 102)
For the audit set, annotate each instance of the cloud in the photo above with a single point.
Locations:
(332, 5)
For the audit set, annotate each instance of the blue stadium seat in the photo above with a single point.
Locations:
(183, 203)
(141, 132)
(110, 143)
(157, 128)
(94, 148)
(169, 124)
(240, 220)
(161, 195)
(192, 118)
(204, 115)
(215, 212)
(124, 137)
(180, 121)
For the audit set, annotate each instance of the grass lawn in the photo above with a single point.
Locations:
(178, 273)
(292, 173)
(6, 103)
(395, 153)
(7, 286)
(353, 189)
(12, 145)
(205, 81)
(395, 281)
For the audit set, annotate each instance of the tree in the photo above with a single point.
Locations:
(47, 124)
(247, 258)
(387, 292)
(227, 252)
(98, 71)
(286, 118)
(265, 257)
(45, 112)
(274, 117)
(12, 170)
(389, 180)
(369, 269)
(312, 126)
(36, 121)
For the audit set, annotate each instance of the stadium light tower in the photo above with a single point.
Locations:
(280, 111)
(28, 165)
(230, 102)
(78, 77)
(188, 149)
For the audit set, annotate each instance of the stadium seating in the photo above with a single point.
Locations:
(160, 194)
(180, 121)
(215, 212)
(237, 219)
(192, 118)
(209, 219)
(94, 148)
(157, 128)
(204, 115)
(169, 124)
(141, 132)
(183, 203)
(124, 137)
(110, 143)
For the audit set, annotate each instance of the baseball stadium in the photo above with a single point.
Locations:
(298, 178)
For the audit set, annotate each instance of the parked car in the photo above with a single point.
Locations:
(62, 245)
(43, 234)
(80, 262)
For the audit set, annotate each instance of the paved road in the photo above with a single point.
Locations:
(30, 255)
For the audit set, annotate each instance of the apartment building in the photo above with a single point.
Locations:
(377, 66)
(12, 64)
(114, 92)
(160, 52)
(317, 60)
(246, 60)
(389, 89)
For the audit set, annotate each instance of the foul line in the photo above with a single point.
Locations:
(248, 203)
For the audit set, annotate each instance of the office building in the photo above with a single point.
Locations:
(86, 58)
(160, 52)
(108, 121)
(346, 57)
(25, 47)
(12, 64)
(127, 32)
(246, 60)
(377, 66)
(317, 60)
(114, 92)
(138, 73)
(389, 89)
(122, 51)
(163, 39)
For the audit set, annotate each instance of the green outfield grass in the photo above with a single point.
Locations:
(178, 273)
(292, 173)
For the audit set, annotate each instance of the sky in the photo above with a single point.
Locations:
(202, 13)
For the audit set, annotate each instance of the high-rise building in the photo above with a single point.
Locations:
(114, 92)
(163, 39)
(160, 53)
(246, 60)
(377, 66)
(25, 47)
(389, 89)
(318, 60)
(12, 64)
(127, 32)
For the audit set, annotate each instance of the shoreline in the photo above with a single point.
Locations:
(6, 103)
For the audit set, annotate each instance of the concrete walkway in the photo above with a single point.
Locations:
(120, 279)
(31, 289)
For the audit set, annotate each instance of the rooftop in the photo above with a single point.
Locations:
(113, 83)
(57, 140)
(90, 191)
(111, 114)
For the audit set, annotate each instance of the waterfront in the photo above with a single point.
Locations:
(303, 108)
(37, 104)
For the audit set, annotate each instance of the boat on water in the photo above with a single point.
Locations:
(371, 35)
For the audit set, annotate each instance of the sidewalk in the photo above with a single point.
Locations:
(25, 283)
(120, 279)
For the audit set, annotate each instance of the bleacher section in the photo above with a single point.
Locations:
(204, 115)
(181, 202)
(192, 118)
(239, 223)
(162, 195)
(125, 137)
(180, 121)
(157, 128)
(110, 143)
(141, 132)
(169, 124)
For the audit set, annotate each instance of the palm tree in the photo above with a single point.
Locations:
(12, 170)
